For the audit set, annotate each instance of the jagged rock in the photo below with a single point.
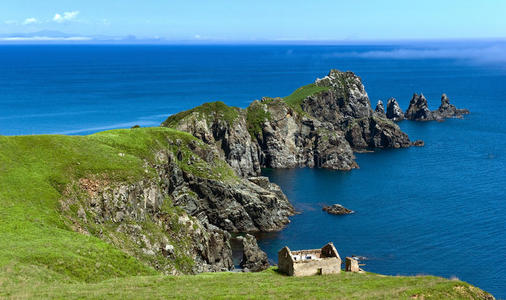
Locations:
(253, 259)
(418, 143)
(380, 109)
(337, 209)
(418, 109)
(447, 110)
(320, 130)
(394, 112)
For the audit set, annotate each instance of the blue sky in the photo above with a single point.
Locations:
(243, 20)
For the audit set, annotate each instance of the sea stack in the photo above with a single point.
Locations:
(418, 109)
(380, 109)
(447, 110)
(394, 111)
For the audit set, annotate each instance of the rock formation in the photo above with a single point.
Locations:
(253, 259)
(394, 112)
(380, 109)
(319, 125)
(418, 109)
(447, 110)
(337, 209)
(194, 201)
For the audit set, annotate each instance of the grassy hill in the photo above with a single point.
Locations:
(42, 255)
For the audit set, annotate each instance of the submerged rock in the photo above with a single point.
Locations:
(394, 111)
(337, 209)
(253, 259)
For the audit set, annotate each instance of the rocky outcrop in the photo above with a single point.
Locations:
(320, 125)
(253, 259)
(380, 109)
(180, 220)
(447, 110)
(418, 109)
(337, 209)
(394, 111)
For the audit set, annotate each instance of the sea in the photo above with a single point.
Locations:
(438, 209)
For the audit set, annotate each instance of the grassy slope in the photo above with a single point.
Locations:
(268, 284)
(296, 98)
(35, 242)
(41, 257)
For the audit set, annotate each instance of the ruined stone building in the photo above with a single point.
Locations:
(309, 262)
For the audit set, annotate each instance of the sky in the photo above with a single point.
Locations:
(259, 20)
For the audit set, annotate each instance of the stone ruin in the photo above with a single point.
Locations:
(314, 262)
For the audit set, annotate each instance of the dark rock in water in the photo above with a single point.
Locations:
(418, 143)
(394, 111)
(447, 110)
(253, 259)
(337, 209)
(418, 109)
(380, 109)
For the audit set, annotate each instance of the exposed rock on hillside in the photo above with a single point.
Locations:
(253, 259)
(185, 211)
(394, 111)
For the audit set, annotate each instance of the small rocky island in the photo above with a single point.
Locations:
(337, 209)
(418, 110)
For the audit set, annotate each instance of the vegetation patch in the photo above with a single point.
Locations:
(211, 111)
(265, 285)
(299, 95)
(256, 116)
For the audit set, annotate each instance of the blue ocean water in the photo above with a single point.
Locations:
(435, 210)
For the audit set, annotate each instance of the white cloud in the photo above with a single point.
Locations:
(29, 21)
(10, 22)
(67, 16)
(197, 36)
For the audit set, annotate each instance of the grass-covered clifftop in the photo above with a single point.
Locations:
(265, 285)
(37, 240)
(43, 255)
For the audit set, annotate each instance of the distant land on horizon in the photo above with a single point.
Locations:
(58, 37)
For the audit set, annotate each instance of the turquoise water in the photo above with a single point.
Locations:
(433, 210)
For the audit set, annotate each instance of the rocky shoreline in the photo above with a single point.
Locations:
(320, 125)
(211, 170)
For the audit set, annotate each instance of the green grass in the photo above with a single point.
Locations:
(265, 285)
(296, 98)
(210, 111)
(35, 174)
(256, 115)
(42, 257)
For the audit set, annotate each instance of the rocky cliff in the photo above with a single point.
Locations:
(179, 218)
(319, 125)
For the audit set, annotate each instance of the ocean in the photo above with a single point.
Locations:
(438, 209)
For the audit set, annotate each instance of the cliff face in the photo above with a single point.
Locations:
(179, 218)
(319, 125)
